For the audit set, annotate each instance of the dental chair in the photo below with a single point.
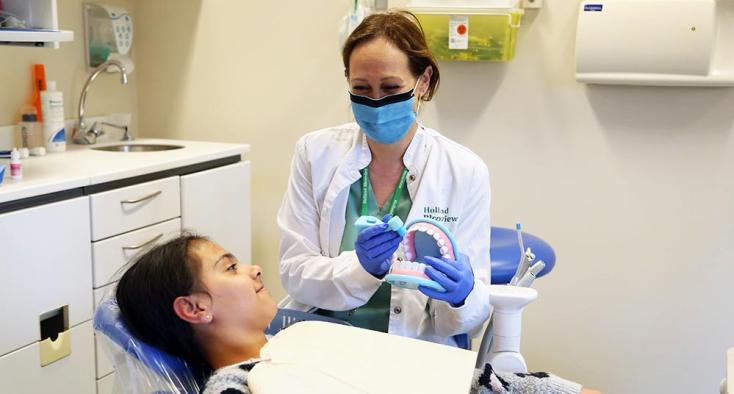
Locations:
(141, 368)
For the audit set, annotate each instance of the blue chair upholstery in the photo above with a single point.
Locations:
(170, 374)
(504, 252)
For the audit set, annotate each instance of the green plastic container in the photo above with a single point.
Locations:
(492, 33)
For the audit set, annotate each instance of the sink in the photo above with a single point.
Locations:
(137, 147)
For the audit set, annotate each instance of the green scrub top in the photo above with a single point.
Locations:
(375, 314)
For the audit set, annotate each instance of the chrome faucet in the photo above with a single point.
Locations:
(82, 134)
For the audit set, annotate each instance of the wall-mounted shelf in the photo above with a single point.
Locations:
(41, 17)
(41, 38)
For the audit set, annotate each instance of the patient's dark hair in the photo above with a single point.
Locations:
(146, 293)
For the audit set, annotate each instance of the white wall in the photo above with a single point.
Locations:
(262, 73)
(631, 185)
(65, 66)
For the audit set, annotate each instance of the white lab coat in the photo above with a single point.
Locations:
(446, 182)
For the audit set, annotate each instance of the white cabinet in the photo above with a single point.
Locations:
(64, 256)
(46, 261)
(216, 203)
(41, 17)
(20, 372)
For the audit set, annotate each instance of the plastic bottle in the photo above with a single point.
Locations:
(31, 130)
(16, 167)
(52, 103)
(39, 85)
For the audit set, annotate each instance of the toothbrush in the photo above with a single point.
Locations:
(396, 225)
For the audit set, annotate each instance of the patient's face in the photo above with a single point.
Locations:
(240, 299)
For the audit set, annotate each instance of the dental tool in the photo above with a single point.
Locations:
(532, 273)
(522, 266)
(528, 257)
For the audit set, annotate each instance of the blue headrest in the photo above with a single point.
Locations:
(107, 320)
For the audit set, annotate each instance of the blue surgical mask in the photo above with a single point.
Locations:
(385, 120)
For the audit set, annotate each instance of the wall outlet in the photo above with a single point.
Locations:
(532, 4)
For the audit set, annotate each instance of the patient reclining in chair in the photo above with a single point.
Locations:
(194, 300)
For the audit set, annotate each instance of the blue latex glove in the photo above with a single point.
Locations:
(375, 246)
(456, 276)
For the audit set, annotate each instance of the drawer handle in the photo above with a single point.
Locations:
(144, 244)
(141, 199)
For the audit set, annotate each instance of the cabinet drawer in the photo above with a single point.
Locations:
(111, 254)
(129, 208)
(106, 385)
(21, 371)
(46, 265)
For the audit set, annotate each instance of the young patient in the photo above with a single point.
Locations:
(193, 299)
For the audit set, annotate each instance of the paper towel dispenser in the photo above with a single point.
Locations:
(656, 42)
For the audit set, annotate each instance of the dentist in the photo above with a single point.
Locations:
(386, 164)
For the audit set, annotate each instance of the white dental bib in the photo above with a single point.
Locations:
(317, 357)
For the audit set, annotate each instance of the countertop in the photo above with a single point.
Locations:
(81, 166)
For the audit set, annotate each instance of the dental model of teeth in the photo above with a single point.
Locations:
(423, 237)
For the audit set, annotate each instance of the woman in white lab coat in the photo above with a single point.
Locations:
(386, 164)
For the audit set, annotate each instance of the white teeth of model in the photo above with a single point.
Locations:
(430, 231)
(444, 250)
(421, 268)
(422, 229)
(439, 241)
(446, 256)
(414, 266)
(437, 236)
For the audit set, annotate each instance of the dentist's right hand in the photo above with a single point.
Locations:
(375, 246)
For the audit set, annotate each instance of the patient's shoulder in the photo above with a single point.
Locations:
(231, 379)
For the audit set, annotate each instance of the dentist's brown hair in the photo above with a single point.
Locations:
(403, 30)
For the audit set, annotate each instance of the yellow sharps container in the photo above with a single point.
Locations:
(470, 33)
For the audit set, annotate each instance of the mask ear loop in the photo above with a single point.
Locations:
(418, 97)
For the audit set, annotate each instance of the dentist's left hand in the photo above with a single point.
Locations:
(456, 276)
